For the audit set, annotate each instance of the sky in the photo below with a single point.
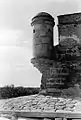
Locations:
(16, 37)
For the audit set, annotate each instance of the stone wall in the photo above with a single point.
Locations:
(69, 26)
(60, 65)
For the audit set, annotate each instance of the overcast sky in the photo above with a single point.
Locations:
(16, 37)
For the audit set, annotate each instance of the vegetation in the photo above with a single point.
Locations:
(11, 91)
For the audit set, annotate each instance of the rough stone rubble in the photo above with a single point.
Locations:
(41, 103)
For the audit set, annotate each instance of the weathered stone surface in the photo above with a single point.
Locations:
(41, 103)
(69, 27)
(69, 18)
(60, 65)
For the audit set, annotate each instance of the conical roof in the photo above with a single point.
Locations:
(42, 16)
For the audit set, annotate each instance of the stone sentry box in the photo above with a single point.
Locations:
(43, 35)
(60, 65)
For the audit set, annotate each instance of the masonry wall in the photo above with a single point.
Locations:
(69, 26)
(62, 74)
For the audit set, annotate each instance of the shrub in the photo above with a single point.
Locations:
(11, 91)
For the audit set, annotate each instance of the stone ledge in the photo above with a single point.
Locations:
(69, 18)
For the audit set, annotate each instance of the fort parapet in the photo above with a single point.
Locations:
(60, 65)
